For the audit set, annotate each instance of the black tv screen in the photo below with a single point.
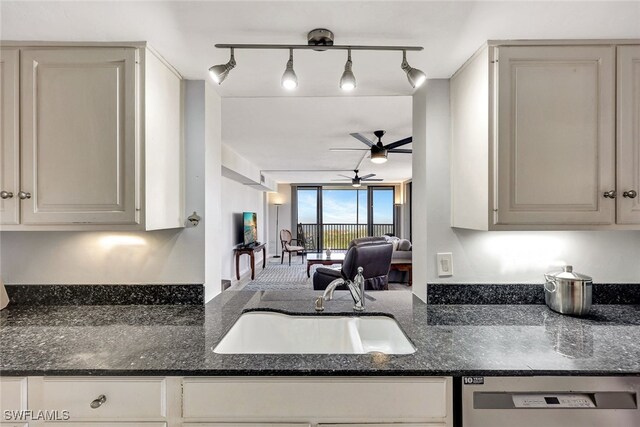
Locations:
(250, 227)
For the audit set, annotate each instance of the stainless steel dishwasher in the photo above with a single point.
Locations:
(550, 401)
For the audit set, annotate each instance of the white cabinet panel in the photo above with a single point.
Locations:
(628, 197)
(79, 136)
(555, 135)
(331, 399)
(13, 397)
(9, 136)
(125, 398)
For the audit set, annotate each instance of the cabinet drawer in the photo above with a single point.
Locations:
(126, 398)
(329, 399)
(13, 394)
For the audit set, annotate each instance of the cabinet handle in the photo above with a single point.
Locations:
(631, 194)
(98, 402)
(6, 194)
(24, 195)
(610, 194)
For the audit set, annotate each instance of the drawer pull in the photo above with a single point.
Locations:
(99, 401)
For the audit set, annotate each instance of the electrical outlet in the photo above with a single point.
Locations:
(445, 264)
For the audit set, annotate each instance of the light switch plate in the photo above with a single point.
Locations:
(445, 264)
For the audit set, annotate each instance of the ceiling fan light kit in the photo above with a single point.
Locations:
(319, 40)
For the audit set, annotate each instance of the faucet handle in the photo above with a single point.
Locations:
(320, 304)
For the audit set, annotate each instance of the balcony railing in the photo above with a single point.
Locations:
(338, 236)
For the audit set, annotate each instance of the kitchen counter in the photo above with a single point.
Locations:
(451, 340)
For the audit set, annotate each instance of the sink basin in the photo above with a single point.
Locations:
(275, 333)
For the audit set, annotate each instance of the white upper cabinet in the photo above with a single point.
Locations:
(628, 196)
(534, 139)
(100, 141)
(78, 136)
(9, 137)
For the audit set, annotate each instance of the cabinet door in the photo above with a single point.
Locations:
(555, 135)
(628, 135)
(9, 137)
(79, 136)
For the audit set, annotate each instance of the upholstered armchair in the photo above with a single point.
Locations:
(286, 240)
(372, 254)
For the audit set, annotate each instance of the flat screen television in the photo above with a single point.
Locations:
(250, 227)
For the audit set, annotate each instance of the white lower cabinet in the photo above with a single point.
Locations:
(318, 400)
(13, 398)
(230, 401)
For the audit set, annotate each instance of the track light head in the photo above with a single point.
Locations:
(219, 72)
(348, 80)
(415, 76)
(289, 79)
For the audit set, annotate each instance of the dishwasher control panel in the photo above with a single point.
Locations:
(553, 400)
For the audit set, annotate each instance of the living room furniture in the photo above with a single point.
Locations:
(323, 259)
(305, 241)
(402, 267)
(372, 254)
(401, 260)
(285, 240)
(251, 251)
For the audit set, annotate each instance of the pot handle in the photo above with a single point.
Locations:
(549, 281)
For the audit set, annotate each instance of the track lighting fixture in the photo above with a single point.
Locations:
(289, 78)
(415, 76)
(348, 80)
(319, 40)
(219, 72)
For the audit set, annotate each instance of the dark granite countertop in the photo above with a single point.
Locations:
(451, 340)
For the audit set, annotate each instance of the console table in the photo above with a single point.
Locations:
(251, 251)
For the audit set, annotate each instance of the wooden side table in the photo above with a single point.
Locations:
(403, 266)
(251, 251)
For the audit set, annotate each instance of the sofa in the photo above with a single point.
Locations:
(401, 260)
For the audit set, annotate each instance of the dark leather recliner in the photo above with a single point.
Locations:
(373, 254)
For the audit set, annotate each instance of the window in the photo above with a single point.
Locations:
(333, 217)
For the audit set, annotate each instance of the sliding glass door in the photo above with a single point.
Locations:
(331, 217)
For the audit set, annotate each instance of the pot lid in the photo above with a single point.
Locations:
(568, 274)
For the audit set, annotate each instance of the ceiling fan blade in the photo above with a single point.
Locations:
(399, 143)
(345, 176)
(400, 150)
(372, 179)
(371, 175)
(362, 138)
(341, 179)
(348, 149)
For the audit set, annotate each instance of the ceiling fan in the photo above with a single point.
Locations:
(379, 151)
(356, 181)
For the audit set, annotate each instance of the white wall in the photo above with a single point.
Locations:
(419, 197)
(153, 257)
(500, 256)
(236, 199)
(283, 196)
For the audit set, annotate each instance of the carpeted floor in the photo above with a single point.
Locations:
(282, 277)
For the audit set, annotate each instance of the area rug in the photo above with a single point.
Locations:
(282, 277)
